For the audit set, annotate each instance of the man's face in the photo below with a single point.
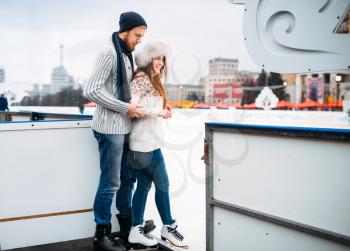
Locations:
(133, 37)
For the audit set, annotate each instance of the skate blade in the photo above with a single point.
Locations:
(168, 246)
(140, 247)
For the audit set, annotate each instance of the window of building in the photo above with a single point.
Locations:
(327, 78)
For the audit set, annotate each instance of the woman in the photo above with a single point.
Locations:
(145, 140)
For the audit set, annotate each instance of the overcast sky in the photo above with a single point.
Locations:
(198, 30)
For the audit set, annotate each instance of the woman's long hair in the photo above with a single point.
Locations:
(155, 79)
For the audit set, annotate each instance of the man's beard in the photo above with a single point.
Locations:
(130, 45)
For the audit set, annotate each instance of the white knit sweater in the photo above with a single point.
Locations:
(146, 133)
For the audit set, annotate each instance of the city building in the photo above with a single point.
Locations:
(228, 92)
(2, 75)
(223, 66)
(224, 81)
(185, 92)
(60, 76)
(344, 26)
(320, 87)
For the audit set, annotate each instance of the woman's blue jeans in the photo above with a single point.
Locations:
(116, 177)
(150, 167)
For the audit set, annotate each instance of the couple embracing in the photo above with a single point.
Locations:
(130, 107)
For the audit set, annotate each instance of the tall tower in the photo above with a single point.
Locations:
(59, 74)
(61, 54)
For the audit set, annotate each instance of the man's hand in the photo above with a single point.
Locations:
(134, 112)
(165, 114)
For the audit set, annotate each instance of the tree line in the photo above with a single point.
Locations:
(66, 97)
(274, 79)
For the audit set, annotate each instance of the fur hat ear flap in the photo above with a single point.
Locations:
(141, 59)
(152, 50)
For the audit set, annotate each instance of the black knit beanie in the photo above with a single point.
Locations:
(130, 20)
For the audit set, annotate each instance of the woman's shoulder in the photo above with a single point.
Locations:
(140, 82)
(141, 76)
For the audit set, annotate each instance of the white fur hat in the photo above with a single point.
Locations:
(152, 50)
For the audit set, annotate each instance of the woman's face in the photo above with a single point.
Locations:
(157, 64)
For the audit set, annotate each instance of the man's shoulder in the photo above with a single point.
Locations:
(108, 49)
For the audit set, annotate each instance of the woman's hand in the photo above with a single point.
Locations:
(165, 114)
(168, 107)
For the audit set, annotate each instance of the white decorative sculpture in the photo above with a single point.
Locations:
(296, 36)
(266, 99)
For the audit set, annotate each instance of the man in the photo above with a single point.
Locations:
(108, 87)
(3, 107)
(3, 103)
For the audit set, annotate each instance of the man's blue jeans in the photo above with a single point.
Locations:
(150, 166)
(115, 177)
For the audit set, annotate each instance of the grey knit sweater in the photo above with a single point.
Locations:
(110, 116)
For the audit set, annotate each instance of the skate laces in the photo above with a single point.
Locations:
(175, 233)
(142, 231)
